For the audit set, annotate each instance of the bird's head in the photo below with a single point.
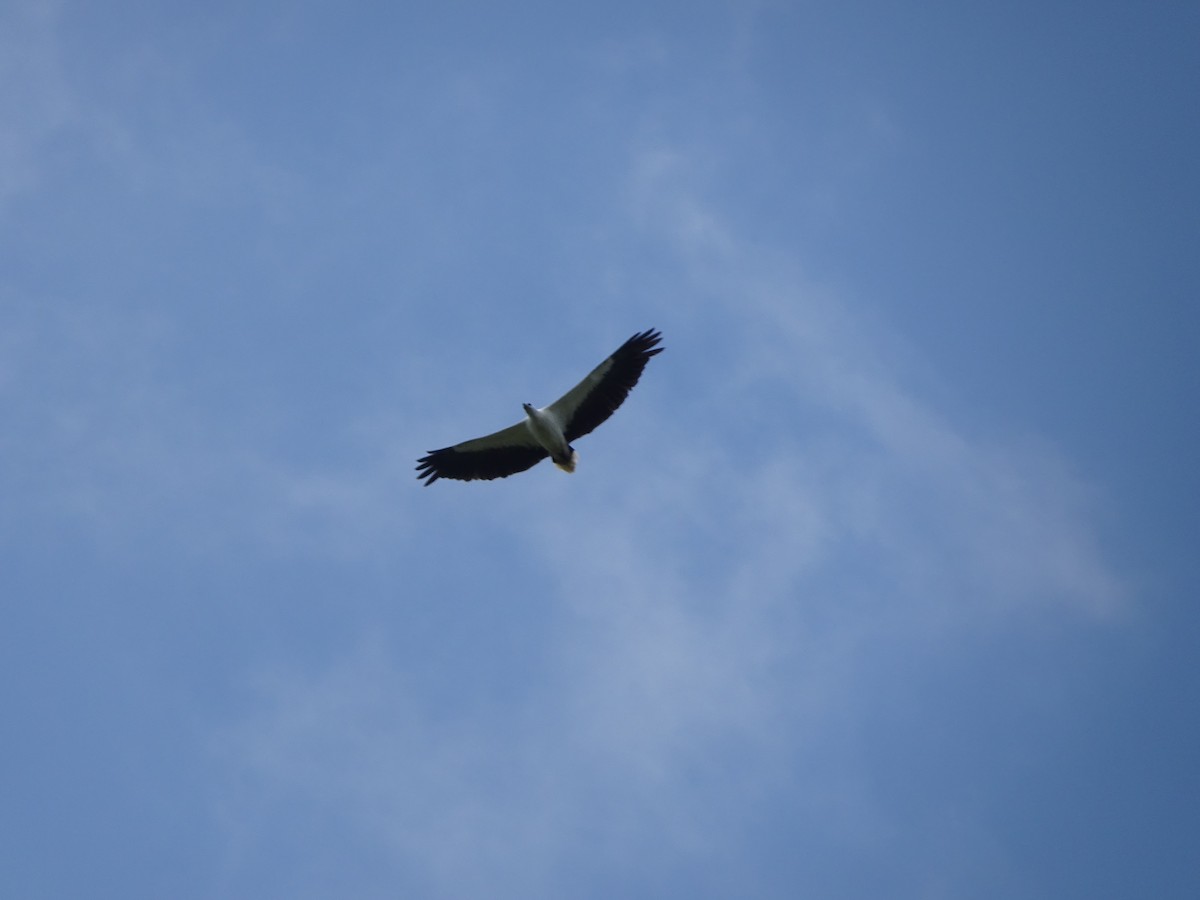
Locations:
(528, 407)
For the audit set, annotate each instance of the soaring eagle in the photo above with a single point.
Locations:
(548, 431)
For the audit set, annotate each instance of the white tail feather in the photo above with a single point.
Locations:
(569, 464)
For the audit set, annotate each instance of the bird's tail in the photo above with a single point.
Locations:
(568, 463)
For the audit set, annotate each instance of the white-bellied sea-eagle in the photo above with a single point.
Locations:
(548, 431)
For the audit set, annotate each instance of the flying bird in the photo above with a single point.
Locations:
(548, 431)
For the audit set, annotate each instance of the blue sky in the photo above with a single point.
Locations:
(882, 583)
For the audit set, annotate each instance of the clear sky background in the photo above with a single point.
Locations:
(883, 583)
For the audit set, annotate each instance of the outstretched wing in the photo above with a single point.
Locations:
(593, 400)
(494, 456)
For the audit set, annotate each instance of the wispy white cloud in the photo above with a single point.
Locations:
(824, 386)
(785, 521)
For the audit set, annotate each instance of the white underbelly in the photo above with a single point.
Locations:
(547, 433)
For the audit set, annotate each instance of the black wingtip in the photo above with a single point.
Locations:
(645, 342)
(426, 470)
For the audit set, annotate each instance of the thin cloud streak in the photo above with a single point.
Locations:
(1011, 505)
